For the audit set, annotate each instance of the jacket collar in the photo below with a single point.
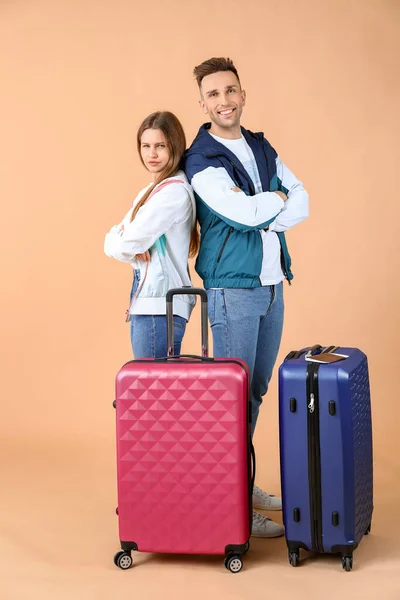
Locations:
(209, 147)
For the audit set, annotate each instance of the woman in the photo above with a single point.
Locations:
(156, 237)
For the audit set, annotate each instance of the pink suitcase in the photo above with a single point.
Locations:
(185, 462)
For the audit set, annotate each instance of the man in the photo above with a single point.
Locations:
(246, 199)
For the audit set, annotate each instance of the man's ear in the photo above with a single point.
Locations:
(203, 106)
(243, 97)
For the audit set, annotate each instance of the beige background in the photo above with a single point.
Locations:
(77, 78)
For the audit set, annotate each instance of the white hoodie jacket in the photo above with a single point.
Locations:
(163, 226)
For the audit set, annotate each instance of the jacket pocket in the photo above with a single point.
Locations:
(224, 244)
(156, 282)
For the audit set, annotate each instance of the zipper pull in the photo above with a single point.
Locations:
(311, 406)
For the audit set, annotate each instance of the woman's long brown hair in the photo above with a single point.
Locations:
(176, 142)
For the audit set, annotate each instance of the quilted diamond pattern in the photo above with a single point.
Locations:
(182, 456)
(362, 428)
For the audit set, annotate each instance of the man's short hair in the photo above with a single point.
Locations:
(214, 65)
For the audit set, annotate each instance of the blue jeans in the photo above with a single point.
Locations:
(149, 332)
(247, 324)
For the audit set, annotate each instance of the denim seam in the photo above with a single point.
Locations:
(225, 319)
(273, 297)
(153, 337)
(213, 303)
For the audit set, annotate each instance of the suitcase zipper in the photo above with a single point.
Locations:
(314, 457)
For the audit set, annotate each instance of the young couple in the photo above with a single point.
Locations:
(244, 198)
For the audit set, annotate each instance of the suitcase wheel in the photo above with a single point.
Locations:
(294, 558)
(246, 547)
(347, 563)
(234, 563)
(123, 560)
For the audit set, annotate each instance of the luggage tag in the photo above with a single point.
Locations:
(326, 358)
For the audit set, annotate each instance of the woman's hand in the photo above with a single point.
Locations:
(145, 257)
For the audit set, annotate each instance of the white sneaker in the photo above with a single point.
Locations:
(264, 501)
(265, 528)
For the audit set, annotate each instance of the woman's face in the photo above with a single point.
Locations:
(154, 150)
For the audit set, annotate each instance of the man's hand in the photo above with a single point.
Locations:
(281, 194)
(145, 257)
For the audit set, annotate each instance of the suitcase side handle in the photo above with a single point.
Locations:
(188, 291)
(252, 466)
(253, 470)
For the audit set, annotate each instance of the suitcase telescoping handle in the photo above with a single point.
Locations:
(297, 353)
(204, 317)
(316, 349)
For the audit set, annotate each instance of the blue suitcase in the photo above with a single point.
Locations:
(325, 452)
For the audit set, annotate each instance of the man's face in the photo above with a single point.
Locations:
(222, 99)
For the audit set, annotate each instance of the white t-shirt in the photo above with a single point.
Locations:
(271, 270)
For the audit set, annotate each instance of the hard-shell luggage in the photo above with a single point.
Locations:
(184, 453)
(326, 451)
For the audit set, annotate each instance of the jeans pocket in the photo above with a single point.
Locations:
(211, 305)
(179, 322)
(135, 283)
(223, 303)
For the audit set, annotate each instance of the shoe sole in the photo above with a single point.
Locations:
(260, 535)
(270, 508)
